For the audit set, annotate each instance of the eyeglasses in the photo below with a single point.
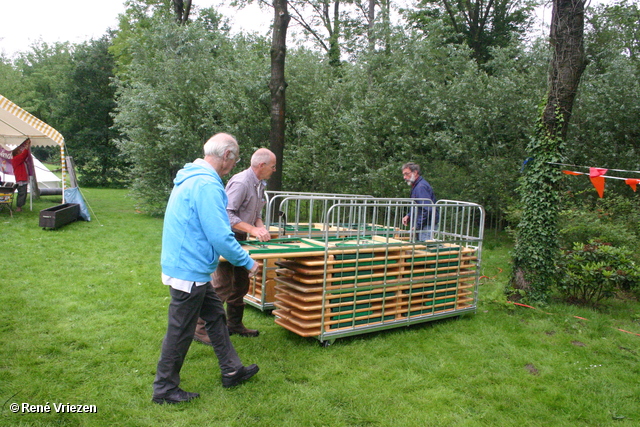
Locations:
(233, 158)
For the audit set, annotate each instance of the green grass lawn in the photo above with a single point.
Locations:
(84, 313)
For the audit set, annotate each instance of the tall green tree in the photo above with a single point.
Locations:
(607, 129)
(45, 78)
(138, 17)
(420, 102)
(480, 24)
(87, 116)
(46, 73)
(323, 24)
(184, 83)
(536, 246)
(9, 79)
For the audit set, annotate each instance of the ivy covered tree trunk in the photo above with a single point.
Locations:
(278, 86)
(536, 244)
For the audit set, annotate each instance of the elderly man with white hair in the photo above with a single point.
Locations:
(195, 234)
(245, 192)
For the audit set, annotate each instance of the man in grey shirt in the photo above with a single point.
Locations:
(245, 192)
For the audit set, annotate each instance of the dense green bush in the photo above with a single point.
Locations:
(614, 219)
(581, 226)
(591, 272)
(184, 84)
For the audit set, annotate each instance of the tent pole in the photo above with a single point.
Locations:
(64, 170)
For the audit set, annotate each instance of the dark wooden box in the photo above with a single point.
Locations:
(60, 215)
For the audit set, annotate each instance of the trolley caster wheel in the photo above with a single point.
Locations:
(327, 343)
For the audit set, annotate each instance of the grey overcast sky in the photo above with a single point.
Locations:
(24, 22)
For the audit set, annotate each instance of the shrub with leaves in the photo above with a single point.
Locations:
(614, 219)
(594, 271)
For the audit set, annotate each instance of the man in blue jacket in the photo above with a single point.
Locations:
(426, 219)
(196, 233)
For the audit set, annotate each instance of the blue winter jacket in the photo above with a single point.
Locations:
(196, 226)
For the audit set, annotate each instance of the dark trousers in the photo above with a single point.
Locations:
(231, 283)
(22, 194)
(184, 310)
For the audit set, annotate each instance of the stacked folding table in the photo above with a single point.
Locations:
(339, 287)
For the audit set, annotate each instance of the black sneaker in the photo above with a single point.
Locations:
(241, 375)
(176, 396)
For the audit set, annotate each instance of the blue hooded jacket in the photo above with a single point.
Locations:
(196, 228)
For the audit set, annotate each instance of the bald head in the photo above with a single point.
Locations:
(263, 163)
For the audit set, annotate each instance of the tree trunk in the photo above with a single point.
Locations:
(278, 86)
(567, 65)
(181, 10)
(334, 36)
(385, 9)
(371, 17)
(536, 246)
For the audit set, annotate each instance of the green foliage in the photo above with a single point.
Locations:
(594, 271)
(536, 245)
(421, 98)
(608, 103)
(68, 87)
(417, 102)
(481, 26)
(139, 16)
(614, 219)
(9, 79)
(184, 84)
(87, 117)
(46, 78)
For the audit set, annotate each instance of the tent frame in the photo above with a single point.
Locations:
(24, 125)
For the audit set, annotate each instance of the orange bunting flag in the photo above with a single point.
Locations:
(632, 183)
(597, 179)
(572, 173)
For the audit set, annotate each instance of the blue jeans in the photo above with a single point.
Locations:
(426, 233)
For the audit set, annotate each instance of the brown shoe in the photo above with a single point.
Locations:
(201, 333)
(234, 322)
(243, 331)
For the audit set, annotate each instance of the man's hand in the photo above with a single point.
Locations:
(254, 270)
(261, 233)
(405, 220)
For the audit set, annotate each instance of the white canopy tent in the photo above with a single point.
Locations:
(16, 125)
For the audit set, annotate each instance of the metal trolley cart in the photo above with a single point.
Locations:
(298, 215)
(369, 274)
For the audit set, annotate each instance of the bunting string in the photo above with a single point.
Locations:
(598, 175)
(587, 173)
(590, 167)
